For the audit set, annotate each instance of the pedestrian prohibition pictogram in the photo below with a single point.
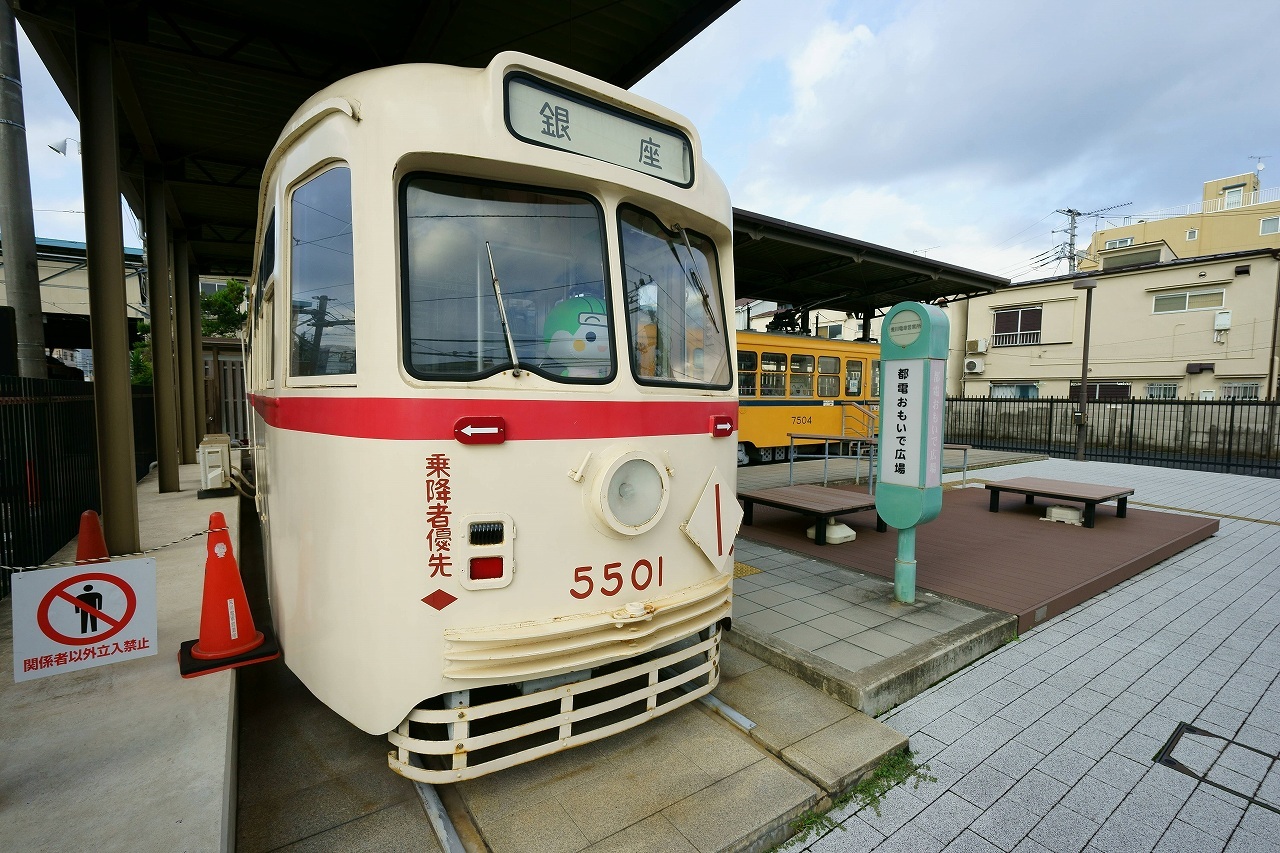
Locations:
(67, 619)
(84, 593)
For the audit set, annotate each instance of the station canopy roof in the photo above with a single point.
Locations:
(204, 88)
(806, 269)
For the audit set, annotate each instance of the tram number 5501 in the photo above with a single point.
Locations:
(613, 578)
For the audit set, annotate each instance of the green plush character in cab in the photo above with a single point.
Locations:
(577, 337)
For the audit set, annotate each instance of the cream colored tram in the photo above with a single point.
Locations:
(494, 409)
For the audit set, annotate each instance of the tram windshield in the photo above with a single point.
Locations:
(547, 251)
(675, 315)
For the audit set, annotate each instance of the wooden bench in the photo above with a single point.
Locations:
(1087, 493)
(820, 502)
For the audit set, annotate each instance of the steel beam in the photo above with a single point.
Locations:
(184, 293)
(163, 375)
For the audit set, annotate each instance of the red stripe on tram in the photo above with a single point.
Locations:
(430, 419)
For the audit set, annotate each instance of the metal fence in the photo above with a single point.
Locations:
(49, 464)
(1230, 436)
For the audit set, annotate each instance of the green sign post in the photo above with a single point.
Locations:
(913, 385)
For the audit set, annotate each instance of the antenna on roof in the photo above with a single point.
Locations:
(1259, 157)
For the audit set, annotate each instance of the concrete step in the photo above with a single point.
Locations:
(690, 780)
(890, 682)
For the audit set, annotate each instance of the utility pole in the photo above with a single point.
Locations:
(1072, 215)
(17, 226)
(1069, 250)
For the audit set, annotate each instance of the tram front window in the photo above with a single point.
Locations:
(546, 251)
(676, 319)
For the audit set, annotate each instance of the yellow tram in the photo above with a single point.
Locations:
(797, 384)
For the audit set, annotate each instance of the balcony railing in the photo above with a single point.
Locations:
(1015, 339)
(1267, 196)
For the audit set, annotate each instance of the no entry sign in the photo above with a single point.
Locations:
(74, 618)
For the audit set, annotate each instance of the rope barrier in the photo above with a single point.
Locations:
(204, 532)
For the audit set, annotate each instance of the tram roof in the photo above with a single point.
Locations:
(787, 263)
(204, 88)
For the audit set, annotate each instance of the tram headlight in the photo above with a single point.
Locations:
(631, 492)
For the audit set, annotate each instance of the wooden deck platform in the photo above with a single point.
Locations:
(1011, 561)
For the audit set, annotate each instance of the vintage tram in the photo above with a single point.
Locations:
(491, 376)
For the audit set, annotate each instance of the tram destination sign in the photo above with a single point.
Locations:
(543, 114)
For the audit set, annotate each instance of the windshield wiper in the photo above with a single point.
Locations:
(502, 313)
(692, 272)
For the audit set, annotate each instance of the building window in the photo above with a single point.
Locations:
(1240, 390)
(1162, 390)
(1015, 390)
(1270, 225)
(1233, 197)
(1118, 244)
(1169, 303)
(1192, 233)
(1016, 327)
(1103, 391)
(208, 288)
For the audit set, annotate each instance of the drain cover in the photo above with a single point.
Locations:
(1266, 765)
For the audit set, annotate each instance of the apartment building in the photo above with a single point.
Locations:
(1234, 215)
(1162, 328)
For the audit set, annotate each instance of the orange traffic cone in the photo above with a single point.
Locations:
(90, 546)
(228, 637)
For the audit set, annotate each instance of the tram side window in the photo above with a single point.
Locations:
(747, 364)
(801, 376)
(266, 262)
(773, 374)
(676, 318)
(322, 301)
(828, 376)
(546, 251)
(853, 378)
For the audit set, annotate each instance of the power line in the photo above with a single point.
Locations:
(1067, 250)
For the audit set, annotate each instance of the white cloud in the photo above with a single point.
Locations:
(953, 126)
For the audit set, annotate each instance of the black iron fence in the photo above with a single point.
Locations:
(1230, 436)
(49, 464)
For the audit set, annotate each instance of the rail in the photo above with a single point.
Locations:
(1213, 205)
(841, 443)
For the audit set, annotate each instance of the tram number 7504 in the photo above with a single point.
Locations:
(641, 576)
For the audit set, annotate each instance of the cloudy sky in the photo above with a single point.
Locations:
(954, 128)
(56, 193)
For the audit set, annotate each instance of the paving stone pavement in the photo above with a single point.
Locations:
(1047, 744)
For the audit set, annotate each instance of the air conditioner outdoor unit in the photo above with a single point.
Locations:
(214, 456)
(976, 345)
(973, 365)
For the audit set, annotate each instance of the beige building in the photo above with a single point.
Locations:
(64, 298)
(1234, 215)
(1168, 328)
